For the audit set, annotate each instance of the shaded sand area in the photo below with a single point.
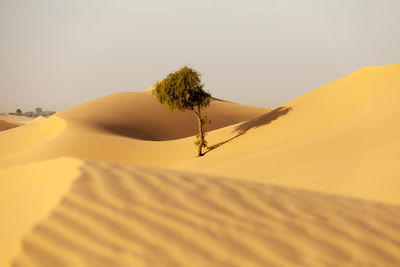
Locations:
(311, 183)
(341, 138)
(12, 121)
(5, 125)
(120, 127)
(122, 215)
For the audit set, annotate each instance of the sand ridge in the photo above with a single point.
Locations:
(122, 215)
(28, 193)
(311, 183)
(39, 130)
(125, 127)
(340, 138)
(138, 115)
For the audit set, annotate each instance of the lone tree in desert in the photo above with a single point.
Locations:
(183, 90)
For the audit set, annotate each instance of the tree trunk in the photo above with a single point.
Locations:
(201, 132)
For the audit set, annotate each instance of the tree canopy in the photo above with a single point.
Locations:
(182, 90)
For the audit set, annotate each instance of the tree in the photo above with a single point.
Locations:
(38, 110)
(18, 112)
(182, 90)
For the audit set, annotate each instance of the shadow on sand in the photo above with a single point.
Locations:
(254, 123)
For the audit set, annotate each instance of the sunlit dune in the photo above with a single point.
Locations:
(118, 128)
(115, 182)
(121, 215)
(16, 140)
(27, 194)
(340, 138)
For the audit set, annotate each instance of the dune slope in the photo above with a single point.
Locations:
(121, 215)
(26, 137)
(139, 115)
(342, 138)
(5, 125)
(15, 119)
(11, 121)
(337, 142)
(118, 127)
(27, 193)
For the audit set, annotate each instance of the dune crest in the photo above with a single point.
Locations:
(139, 115)
(150, 89)
(28, 193)
(311, 183)
(339, 138)
(38, 130)
(118, 127)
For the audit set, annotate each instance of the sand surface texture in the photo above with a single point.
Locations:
(115, 182)
(122, 215)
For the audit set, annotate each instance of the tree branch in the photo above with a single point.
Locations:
(196, 112)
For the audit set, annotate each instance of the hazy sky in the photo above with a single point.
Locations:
(57, 54)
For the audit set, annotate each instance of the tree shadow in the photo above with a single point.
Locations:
(262, 120)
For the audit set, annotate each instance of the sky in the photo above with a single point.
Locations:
(56, 54)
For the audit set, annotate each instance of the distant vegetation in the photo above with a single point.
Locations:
(182, 90)
(38, 112)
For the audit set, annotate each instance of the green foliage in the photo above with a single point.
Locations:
(182, 90)
(204, 120)
(198, 140)
(38, 112)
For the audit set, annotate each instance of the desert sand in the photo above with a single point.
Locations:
(114, 182)
(11, 121)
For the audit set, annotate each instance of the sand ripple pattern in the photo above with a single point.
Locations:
(122, 215)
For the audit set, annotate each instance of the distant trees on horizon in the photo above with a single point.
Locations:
(38, 112)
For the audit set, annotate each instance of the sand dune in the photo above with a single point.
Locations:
(341, 138)
(16, 140)
(118, 128)
(12, 121)
(5, 125)
(121, 215)
(311, 183)
(27, 194)
(140, 116)
(15, 119)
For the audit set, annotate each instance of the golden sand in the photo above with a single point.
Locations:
(311, 183)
